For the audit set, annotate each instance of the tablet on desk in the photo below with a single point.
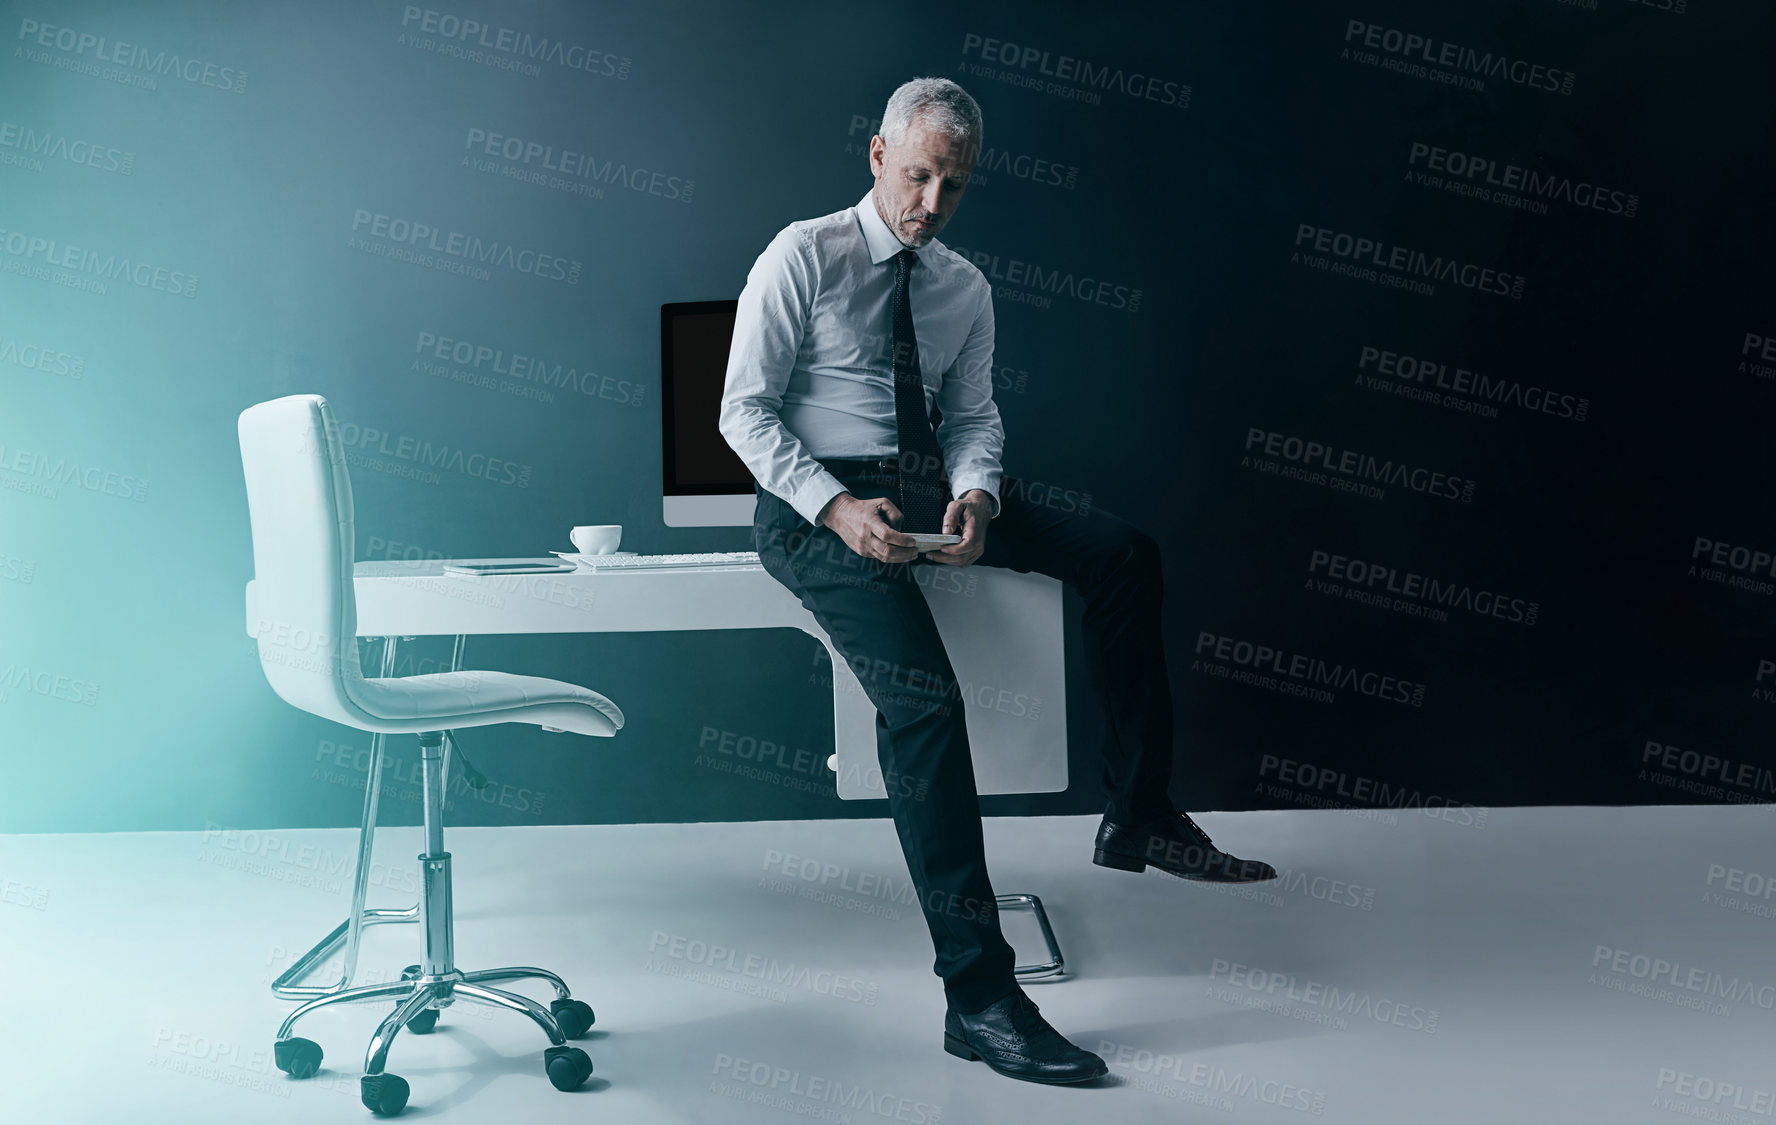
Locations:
(507, 568)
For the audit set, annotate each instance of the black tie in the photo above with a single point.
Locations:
(924, 491)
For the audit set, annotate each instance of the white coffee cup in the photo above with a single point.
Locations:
(596, 538)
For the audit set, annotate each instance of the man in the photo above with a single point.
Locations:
(850, 328)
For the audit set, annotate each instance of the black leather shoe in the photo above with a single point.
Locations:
(1175, 845)
(1012, 1037)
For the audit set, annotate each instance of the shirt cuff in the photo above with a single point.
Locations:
(814, 494)
(960, 485)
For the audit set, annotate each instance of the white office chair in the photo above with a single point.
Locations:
(302, 610)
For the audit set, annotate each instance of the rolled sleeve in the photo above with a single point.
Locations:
(971, 436)
(768, 327)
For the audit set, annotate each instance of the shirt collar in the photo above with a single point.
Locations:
(881, 241)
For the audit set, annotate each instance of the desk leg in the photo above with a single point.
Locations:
(854, 760)
(854, 733)
(1056, 964)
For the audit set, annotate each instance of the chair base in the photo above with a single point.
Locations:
(419, 998)
(425, 989)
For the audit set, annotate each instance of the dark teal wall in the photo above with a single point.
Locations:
(241, 158)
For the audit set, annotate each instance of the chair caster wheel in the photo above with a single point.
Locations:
(574, 1017)
(299, 1058)
(568, 1067)
(384, 1094)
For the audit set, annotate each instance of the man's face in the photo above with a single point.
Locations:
(919, 183)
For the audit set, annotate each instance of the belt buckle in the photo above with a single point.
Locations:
(888, 464)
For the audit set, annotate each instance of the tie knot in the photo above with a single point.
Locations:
(903, 261)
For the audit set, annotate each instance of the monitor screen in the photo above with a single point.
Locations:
(694, 339)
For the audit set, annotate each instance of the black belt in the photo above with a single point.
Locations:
(861, 466)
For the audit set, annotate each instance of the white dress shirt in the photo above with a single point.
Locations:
(811, 368)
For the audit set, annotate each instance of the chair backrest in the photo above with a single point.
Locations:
(299, 500)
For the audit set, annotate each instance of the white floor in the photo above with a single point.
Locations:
(1548, 965)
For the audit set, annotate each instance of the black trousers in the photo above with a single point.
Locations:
(879, 622)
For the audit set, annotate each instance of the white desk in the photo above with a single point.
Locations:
(1002, 630)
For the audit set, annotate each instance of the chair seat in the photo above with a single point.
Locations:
(479, 698)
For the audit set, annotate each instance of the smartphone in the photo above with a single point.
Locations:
(926, 540)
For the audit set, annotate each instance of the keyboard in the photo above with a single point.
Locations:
(666, 562)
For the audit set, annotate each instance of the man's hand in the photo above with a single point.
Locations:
(966, 516)
(869, 527)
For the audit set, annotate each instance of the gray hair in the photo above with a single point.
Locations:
(943, 106)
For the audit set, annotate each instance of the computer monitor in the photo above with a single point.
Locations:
(705, 483)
